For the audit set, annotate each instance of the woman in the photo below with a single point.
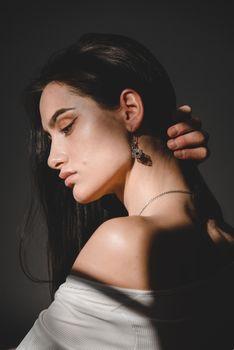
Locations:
(145, 269)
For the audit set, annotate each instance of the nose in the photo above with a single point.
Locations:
(57, 158)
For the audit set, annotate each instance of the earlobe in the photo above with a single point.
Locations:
(132, 106)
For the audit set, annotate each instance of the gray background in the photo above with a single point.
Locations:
(193, 40)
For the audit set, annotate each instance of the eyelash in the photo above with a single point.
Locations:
(67, 128)
(64, 130)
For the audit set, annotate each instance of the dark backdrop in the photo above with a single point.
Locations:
(193, 40)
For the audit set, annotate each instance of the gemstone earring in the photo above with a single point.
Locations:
(138, 153)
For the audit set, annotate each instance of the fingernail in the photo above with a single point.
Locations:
(171, 144)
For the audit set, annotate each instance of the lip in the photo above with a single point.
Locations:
(68, 180)
(66, 176)
(63, 175)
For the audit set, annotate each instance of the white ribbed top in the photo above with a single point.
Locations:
(90, 315)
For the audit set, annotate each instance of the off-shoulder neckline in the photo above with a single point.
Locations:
(73, 280)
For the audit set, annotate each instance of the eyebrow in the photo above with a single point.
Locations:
(57, 114)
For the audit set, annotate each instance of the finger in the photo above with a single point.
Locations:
(191, 139)
(183, 113)
(184, 127)
(199, 154)
(185, 109)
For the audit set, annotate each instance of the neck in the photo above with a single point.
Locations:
(143, 182)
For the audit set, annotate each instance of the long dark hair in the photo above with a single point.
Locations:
(100, 66)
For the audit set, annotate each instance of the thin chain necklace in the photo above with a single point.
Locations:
(162, 194)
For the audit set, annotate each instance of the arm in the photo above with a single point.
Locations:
(187, 140)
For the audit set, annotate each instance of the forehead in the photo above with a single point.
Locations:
(55, 96)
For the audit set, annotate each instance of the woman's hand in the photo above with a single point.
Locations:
(187, 140)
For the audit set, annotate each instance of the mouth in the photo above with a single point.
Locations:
(69, 182)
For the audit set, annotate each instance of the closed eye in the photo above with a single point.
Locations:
(65, 131)
(67, 128)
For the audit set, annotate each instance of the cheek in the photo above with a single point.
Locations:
(108, 153)
(93, 148)
(100, 168)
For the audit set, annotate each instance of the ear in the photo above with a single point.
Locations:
(132, 108)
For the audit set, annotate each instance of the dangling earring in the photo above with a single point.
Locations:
(138, 153)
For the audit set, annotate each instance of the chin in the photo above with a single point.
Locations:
(85, 197)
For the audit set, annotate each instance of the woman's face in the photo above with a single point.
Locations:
(86, 140)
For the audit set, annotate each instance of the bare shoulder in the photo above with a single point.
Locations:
(119, 232)
(117, 251)
(122, 230)
(138, 252)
